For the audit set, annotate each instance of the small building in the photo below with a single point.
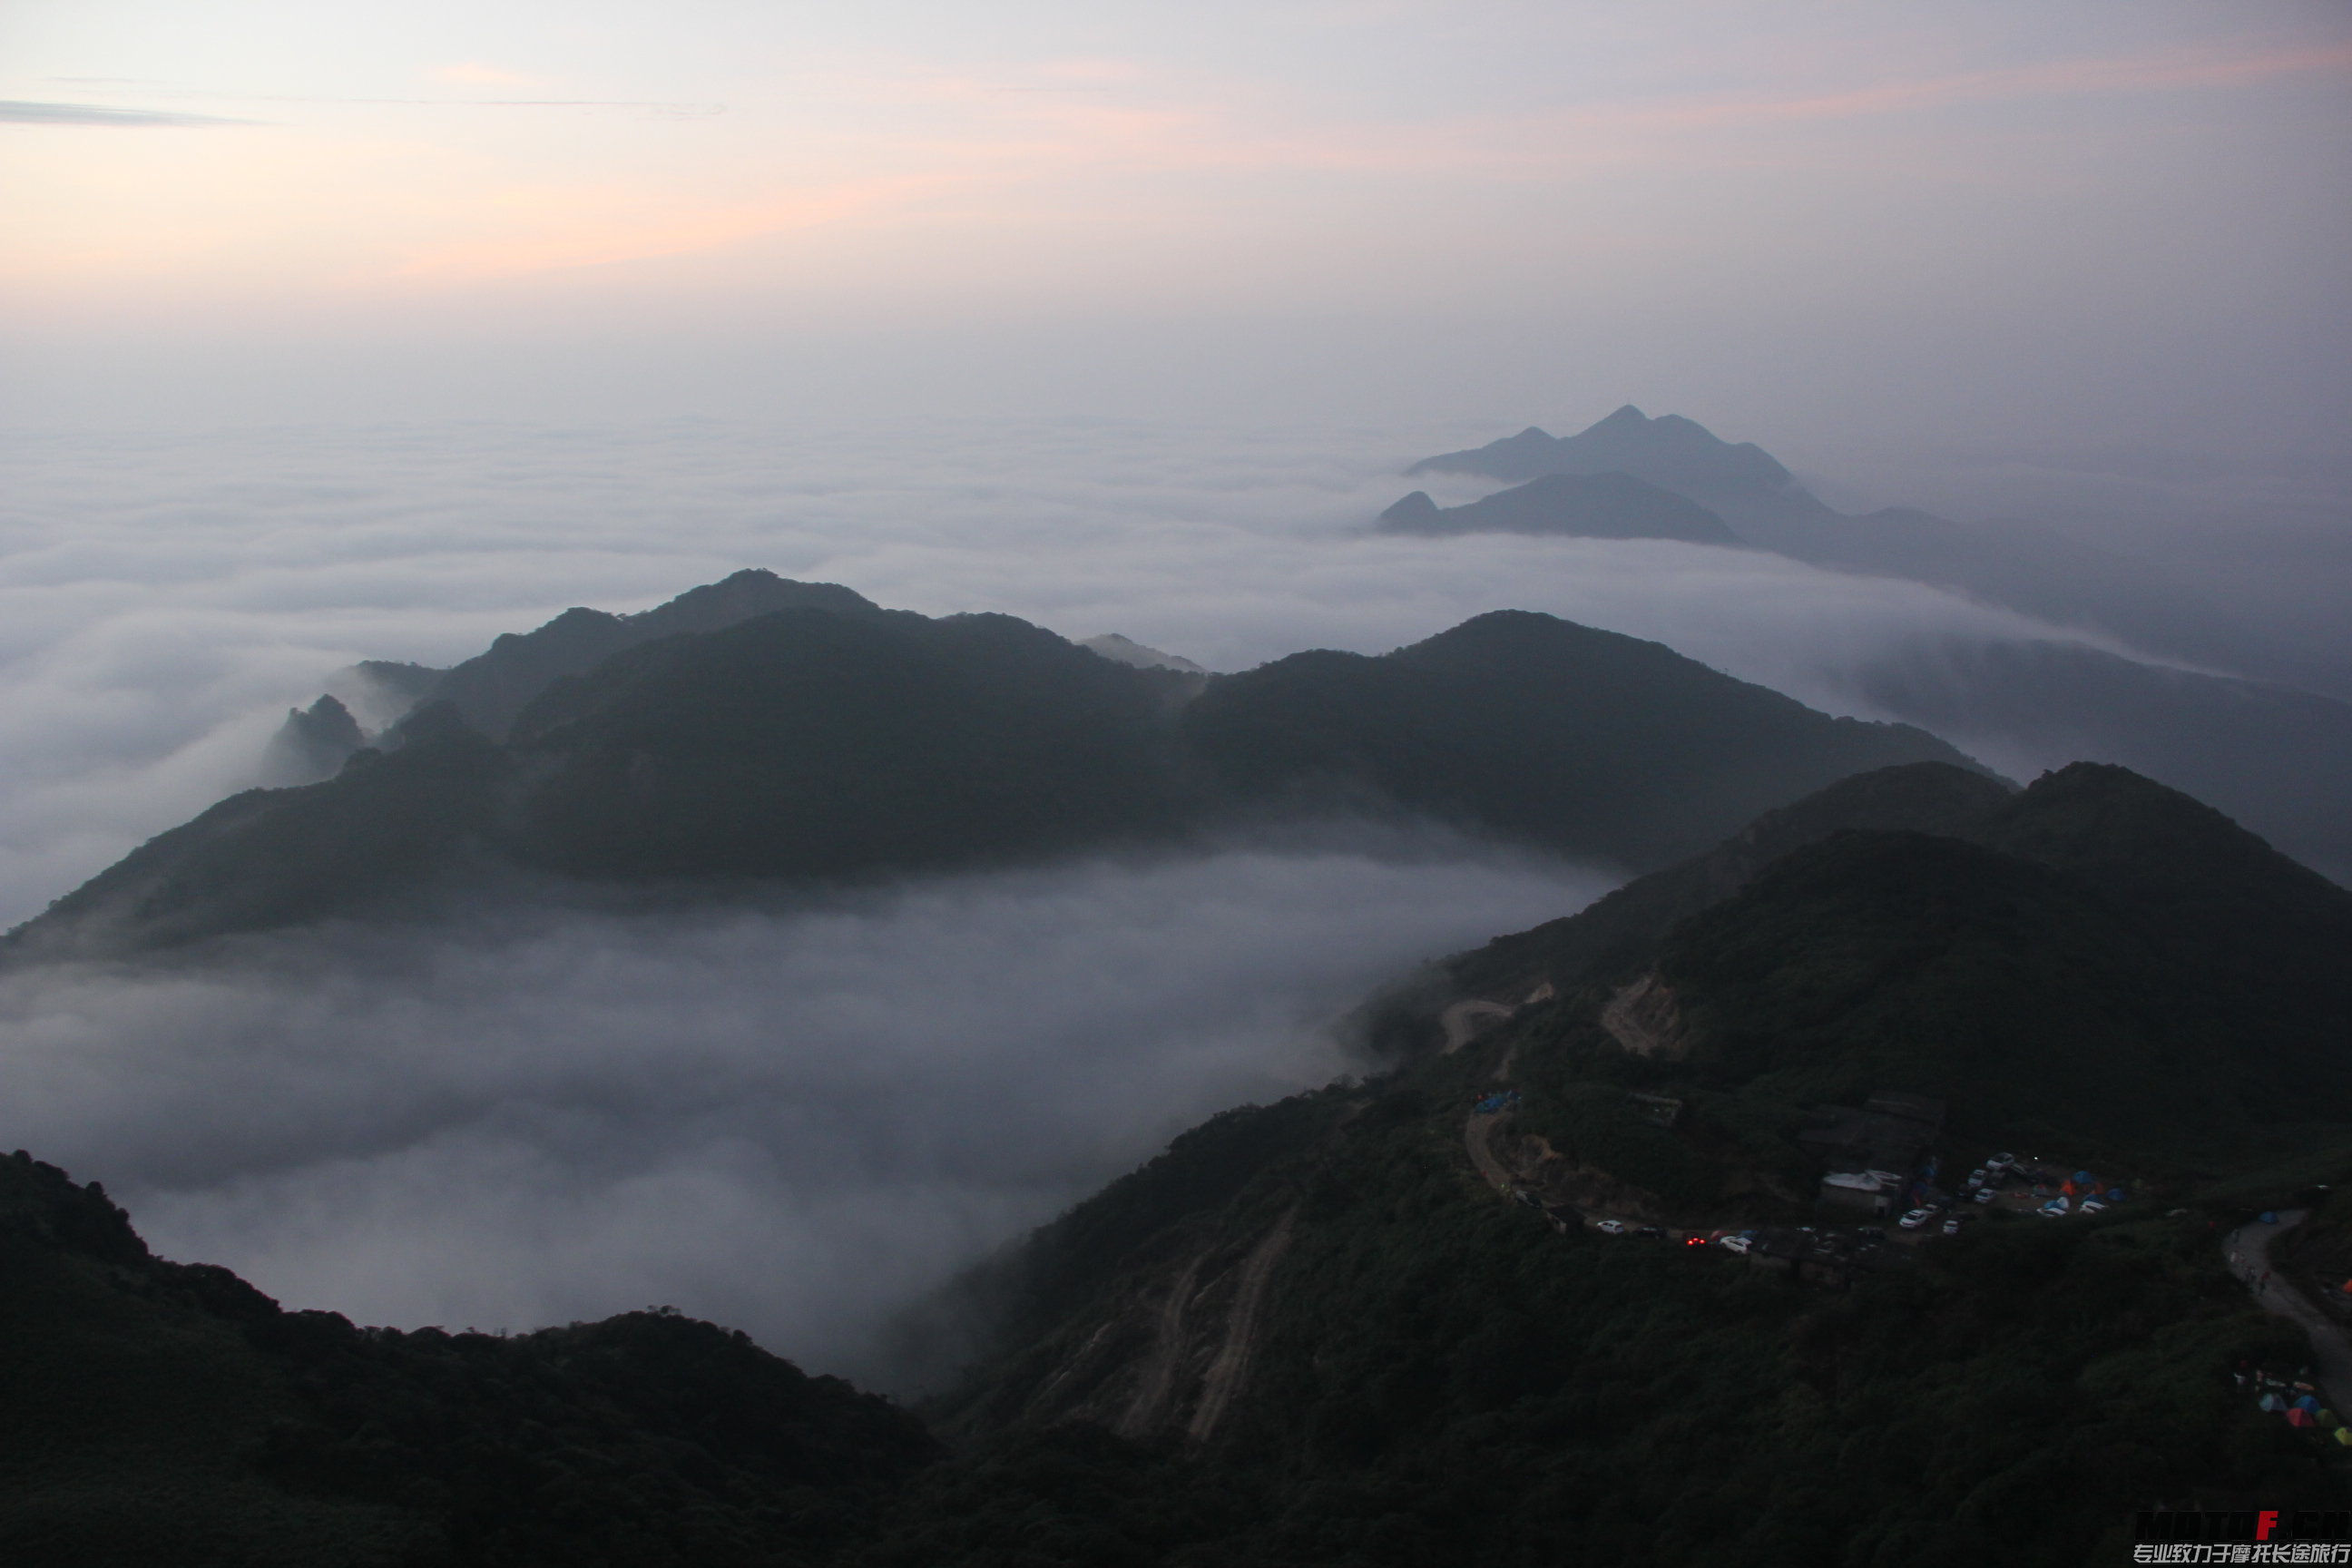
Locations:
(1886, 1141)
(1859, 1194)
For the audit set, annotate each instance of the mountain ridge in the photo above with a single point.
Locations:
(817, 743)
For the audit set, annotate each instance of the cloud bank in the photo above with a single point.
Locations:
(164, 599)
(794, 1121)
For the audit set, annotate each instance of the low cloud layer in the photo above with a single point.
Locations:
(791, 1121)
(164, 600)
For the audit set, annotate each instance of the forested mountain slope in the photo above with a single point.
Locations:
(830, 743)
(169, 1413)
(1371, 1356)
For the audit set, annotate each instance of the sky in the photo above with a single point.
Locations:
(343, 332)
(1836, 226)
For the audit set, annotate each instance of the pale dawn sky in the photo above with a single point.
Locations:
(2003, 222)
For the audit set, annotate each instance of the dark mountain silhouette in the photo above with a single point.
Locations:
(1584, 506)
(491, 688)
(2097, 959)
(1618, 933)
(408, 682)
(313, 743)
(2102, 962)
(2022, 565)
(2278, 759)
(1585, 742)
(386, 826)
(817, 744)
(1127, 650)
(1679, 454)
(855, 742)
(170, 1413)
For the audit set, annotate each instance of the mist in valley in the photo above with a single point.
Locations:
(792, 1120)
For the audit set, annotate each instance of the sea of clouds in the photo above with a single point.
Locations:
(794, 1120)
(164, 600)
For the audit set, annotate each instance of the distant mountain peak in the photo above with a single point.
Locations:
(1414, 513)
(313, 743)
(1670, 452)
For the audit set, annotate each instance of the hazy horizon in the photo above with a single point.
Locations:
(1833, 228)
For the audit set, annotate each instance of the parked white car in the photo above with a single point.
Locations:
(1734, 1244)
(1916, 1218)
(1609, 1227)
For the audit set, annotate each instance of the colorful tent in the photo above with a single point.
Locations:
(2299, 1416)
(2271, 1402)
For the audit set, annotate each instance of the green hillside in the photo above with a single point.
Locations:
(1428, 1373)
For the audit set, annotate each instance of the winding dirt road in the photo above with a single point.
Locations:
(1225, 1373)
(1474, 1138)
(2248, 1249)
(1466, 1021)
